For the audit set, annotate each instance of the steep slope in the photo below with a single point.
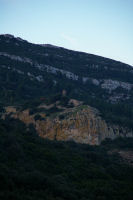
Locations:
(32, 74)
(28, 66)
(82, 123)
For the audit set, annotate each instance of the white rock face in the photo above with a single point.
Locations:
(108, 84)
(18, 71)
(95, 82)
(70, 75)
(126, 86)
(29, 74)
(113, 84)
(42, 67)
(39, 78)
(115, 98)
(85, 79)
(46, 54)
(18, 58)
(54, 82)
(13, 69)
(54, 70)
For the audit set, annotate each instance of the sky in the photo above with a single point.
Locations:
(101, 27)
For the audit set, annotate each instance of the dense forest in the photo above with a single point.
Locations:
(34, 168)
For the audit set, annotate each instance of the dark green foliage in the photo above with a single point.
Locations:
(39, 117)
(33, 168)
(18, 87)
(64, 101)
(119, 113)
(61, 116)
(121, 143)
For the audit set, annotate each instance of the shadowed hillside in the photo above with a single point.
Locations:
(33, 168)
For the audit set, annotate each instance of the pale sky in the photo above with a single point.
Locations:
(101, 27)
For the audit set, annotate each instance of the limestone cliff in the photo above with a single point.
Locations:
(82, 124)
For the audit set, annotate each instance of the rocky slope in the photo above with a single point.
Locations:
(33, 74)
(82, 124)
(51, 66)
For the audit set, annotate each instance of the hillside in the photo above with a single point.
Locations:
(81, 123)
(33, 168)
(34, 69)
(34, 76)
(66, 124)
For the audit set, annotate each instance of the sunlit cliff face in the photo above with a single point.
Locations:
(81, 124)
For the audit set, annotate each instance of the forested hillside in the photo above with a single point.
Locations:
(33, 168)
(31, 72)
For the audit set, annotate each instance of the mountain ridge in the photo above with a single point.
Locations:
(55, 46)
(32, 75)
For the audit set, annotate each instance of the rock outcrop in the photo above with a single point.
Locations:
(82, 124)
